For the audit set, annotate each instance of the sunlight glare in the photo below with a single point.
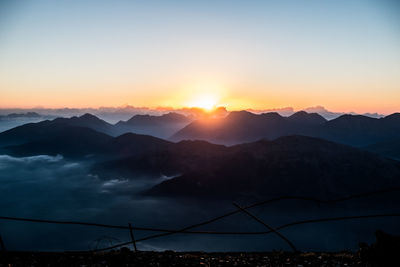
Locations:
(204, 101)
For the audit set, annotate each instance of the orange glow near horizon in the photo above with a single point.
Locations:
(206, 95)
(203, 97)
(256, 55)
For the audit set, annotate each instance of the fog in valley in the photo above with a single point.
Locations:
(51, 187)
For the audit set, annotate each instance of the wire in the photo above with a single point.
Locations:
(185, 230)
(318, 220)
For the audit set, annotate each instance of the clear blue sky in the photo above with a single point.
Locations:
(344, 54)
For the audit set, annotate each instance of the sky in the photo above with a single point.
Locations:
(342, 54)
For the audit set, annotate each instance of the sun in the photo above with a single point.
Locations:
(204, 95)
(205, 101)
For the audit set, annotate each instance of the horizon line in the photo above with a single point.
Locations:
(188, 108)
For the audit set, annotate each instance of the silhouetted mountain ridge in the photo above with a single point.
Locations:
(169, 117)
(163, 125)
(307, 118)
(71, 141)
(160, 126)
(240, 127)
(293, 165)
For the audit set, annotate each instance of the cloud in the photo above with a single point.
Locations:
(54, 188)
(47, 187)
(6, 160)
(114, 182)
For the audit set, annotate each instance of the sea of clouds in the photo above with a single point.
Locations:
(51, 187)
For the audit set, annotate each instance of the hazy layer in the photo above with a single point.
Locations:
(46, 187)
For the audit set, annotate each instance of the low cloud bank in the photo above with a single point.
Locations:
(51, 187)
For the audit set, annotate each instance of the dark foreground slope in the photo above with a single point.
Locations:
(170, 258)
(293, 165)
(384, 252)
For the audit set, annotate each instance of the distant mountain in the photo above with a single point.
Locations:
(293, 165)
(242, 126)
(20, 115)
(89, 121)
(163, 126)
(115, 114)
(358, 130)
(160, 126)
(71, 141)
(305, 118)
(12, 120)
(286, 111)
(329, 115)
(41, 130)
(78, 136)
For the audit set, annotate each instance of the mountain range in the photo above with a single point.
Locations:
(80, 142)
(158, 126)
(114, 114)
(376, 135)
(242, 126)
(300, 154)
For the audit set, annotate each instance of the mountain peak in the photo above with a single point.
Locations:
(352, 117)
(240, 115)
(168, 117)
(139, 117)
(300, 113)
(272, 114)
(174, 116)
(305, 117)
(88, 116)
(394, 116)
